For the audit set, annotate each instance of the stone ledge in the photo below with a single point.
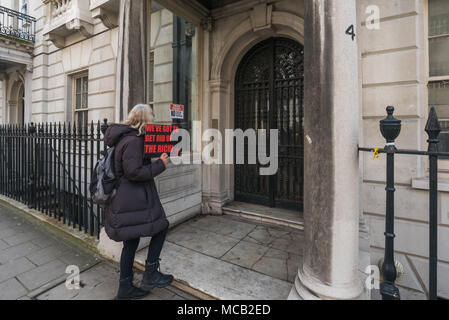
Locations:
(259, 213)
(423, 184)
(17, 44)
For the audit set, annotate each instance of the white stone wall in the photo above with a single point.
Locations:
(11, 4)
(394, 67)
(53, 70)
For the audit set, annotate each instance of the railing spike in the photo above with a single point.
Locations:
(433, 127)
(104, 126)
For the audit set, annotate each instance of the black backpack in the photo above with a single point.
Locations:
(103, 182)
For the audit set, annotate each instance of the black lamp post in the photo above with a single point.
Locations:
(31, 167)
(390, 128)
(433, 130)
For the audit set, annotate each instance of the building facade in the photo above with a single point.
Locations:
(292, 65)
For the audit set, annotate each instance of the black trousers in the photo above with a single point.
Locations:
(130, 248)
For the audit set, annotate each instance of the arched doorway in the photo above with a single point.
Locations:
(269, 95)
(21, 106)
(16, 103)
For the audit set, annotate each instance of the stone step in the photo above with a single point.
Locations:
(210, 278)
(259, 213)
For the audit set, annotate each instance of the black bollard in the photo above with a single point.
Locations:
(390, 128)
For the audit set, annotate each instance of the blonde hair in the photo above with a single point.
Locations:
(139, 116)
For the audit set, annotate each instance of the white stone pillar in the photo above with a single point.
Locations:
(28, 87)
(215, 193)
(3, 100)
(131, 57)
(329, 269)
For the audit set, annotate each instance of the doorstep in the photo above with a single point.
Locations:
(229, 258)
(276, 216)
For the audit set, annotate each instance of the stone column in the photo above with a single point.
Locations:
(3, 101)
(28, 86)
(215, 193)
(131, 60)
(329, 269)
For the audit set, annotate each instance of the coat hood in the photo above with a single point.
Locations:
(115, 132)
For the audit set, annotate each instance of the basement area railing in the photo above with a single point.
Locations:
(48, 167)
(390, 128)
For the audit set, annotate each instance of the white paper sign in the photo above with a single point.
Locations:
(176, 111)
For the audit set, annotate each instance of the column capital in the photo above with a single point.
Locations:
(218, 85)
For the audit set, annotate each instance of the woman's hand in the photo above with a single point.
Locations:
(164, 158)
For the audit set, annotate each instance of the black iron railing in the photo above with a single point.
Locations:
(48, 167)
(391, 128)
(17, 25)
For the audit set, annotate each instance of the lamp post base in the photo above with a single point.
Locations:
(389, 291)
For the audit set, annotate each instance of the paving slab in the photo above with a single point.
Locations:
(8, 232)
(288, 244)
(293, 263)
(11, 289)
(218, 278)
(47, 254)
(14, 268)
(44, 242)
(264, 235)
(245, 254)
(274, 267)
(206, 242)
(14, 252)
(79, 259)
(223, 226)
(39, 276)
(22, 237)
(3, 245)
(101, 283)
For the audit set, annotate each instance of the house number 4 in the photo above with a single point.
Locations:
(350, 32)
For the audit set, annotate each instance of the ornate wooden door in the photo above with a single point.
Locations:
(269, 95)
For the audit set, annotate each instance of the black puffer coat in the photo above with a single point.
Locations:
(135, 211)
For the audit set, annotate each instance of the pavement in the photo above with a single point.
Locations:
(36, 264)
(213, 257)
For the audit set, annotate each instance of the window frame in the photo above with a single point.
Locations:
(443, 164)
(23, 4)
(75, 77)
(151, 77)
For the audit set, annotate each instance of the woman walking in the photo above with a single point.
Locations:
(135, 210)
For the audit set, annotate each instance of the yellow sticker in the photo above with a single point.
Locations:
(376, 153)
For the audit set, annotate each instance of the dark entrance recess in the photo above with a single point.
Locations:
(269, 89)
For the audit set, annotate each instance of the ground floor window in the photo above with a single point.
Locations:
(172, 62)
(80, 101)
(439, 65)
